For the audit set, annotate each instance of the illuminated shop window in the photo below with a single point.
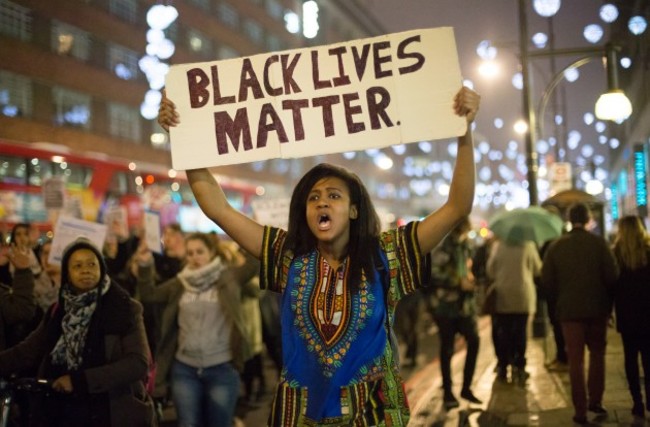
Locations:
(15, 95)
(123, 62)
(71, 108)
(70, 40)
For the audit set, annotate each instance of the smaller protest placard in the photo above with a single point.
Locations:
(273, 212)
(53, 189)
(152, 231)
(116, 219)
(68, 229)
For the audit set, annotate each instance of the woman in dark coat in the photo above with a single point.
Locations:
(92, 346)
(632, 302)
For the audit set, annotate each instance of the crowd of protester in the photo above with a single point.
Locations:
(186, 347)
(117, 330)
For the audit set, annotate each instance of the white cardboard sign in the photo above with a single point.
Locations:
(368, 93)
(68, 229)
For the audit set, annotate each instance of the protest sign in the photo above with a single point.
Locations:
(68, 229)
(116, 219)
(54, 192)
(152, 231)
(273, 212)
(368, 93)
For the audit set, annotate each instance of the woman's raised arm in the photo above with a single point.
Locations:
(461, 191)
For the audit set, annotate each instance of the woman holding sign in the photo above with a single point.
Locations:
(340, 279)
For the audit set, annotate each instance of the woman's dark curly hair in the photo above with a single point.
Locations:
(364, 230)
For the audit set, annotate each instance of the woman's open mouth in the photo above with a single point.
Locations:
(324, 222)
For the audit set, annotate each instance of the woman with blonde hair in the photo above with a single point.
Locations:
(632, 302)
(203, 343)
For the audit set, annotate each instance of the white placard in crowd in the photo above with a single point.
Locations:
(116, 219)
(273, 212)
(152, 231)
(68, 229)
(54, 192)
(368, 93)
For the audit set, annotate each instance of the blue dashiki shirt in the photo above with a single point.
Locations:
(338, 365)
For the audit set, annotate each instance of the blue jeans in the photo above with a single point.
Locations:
(205, 396)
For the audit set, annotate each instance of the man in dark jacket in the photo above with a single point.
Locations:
(581, 270)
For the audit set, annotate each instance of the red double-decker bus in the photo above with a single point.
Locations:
(95, 183)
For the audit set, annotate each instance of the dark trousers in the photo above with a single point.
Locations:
(511, 337)
(633, 345)
(448, 327)
(593, 334)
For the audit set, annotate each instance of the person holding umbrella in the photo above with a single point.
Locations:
(513, 264)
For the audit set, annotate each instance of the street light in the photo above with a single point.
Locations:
(612, 105)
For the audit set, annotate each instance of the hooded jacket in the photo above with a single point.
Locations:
(109, 385)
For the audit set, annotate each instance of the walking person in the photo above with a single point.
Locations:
(203, 345)
(453, 303)
(340, 279)
(632, 302)
(580, 267)
(512, 267)
(91, 344)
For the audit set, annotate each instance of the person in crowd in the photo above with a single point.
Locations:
(203, 345)
(17, 303)
(341, 278)
(122, 264)
(48, 283)
(20, 237)
(512, 267)
(19, 311)
(453, 303)
(632, 302)
(91, 344)
(580, 266)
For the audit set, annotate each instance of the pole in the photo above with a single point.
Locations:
(528, 110)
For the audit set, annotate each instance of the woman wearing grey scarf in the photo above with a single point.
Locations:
(202, 343)
(91, 345)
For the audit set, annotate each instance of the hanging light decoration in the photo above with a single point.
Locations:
(159, 47)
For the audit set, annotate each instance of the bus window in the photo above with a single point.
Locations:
(76, 176)
(39, 170)
(119, 184)
(13, 170)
